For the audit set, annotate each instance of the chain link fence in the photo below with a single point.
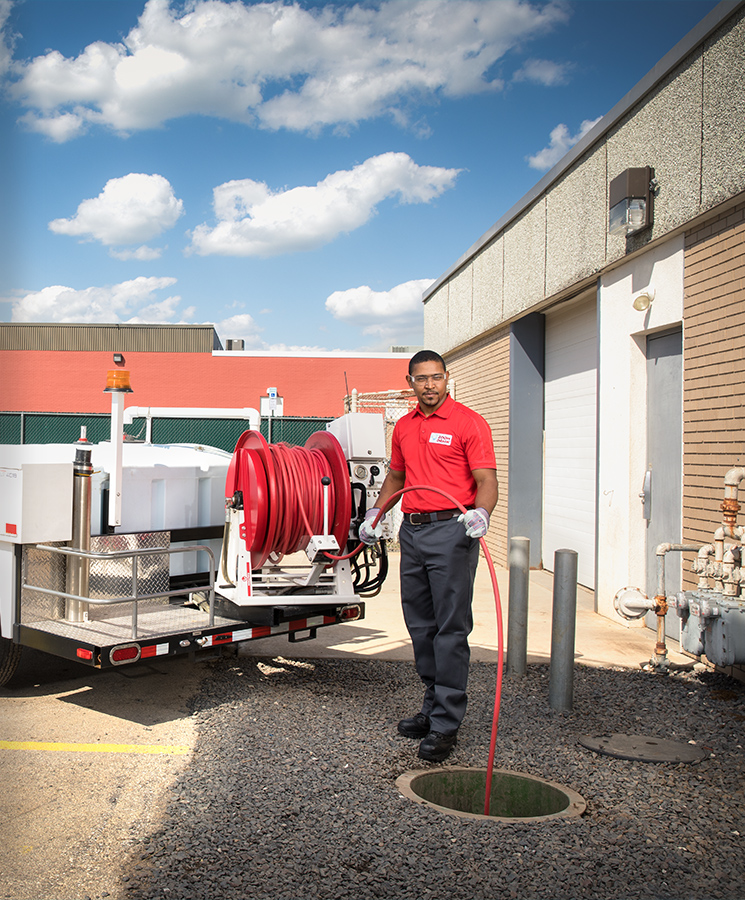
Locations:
(64, 428)
(392, 405)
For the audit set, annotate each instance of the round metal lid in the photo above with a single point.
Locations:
(645, 748)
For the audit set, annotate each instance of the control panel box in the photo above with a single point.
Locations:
(35, 502)
(361, 435)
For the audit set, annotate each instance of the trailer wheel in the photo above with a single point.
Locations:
(10, 656)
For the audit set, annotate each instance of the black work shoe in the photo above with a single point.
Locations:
(437, 746)
(415, 727)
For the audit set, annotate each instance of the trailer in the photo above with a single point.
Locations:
(126, 550)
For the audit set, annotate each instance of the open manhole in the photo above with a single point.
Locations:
(514, 797)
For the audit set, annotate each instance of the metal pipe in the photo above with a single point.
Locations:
(703, 561)
(660, 601)
(325, 481)
(563, 624)
(135, 595)
(728, 569)
(77, 572)
(660, 551)
(517, 619)
(115, 474)
(197, 412)
(726, 530)
(732, 482)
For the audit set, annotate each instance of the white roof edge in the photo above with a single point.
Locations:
(310, 354)
(697, 35)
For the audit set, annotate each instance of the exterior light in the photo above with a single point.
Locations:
(117, 382)
(119, 359)
(644, 300)
(631, 201)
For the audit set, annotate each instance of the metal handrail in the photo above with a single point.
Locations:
(136, 596)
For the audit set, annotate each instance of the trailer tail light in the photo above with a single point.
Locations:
(350, 613)
(83, 653)
(124, 653)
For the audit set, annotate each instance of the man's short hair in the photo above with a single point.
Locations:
(426, 356)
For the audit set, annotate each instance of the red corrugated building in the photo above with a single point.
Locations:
(62, 368)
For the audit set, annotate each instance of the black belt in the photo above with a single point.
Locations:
(423, 518)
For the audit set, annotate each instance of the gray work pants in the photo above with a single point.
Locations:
(438, 566)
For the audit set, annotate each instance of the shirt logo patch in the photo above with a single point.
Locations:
(436, 438)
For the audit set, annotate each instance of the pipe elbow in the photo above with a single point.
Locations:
(662, 549)
(734, 476)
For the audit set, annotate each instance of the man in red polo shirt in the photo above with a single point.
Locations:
(445, 445)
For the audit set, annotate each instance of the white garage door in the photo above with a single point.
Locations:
(570, 451)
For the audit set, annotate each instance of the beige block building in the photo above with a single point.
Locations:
(610, 361)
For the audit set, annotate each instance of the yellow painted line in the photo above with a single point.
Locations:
(170, 750)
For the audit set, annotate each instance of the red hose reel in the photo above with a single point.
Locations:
(283, 495)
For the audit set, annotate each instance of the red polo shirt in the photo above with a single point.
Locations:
(441, 450)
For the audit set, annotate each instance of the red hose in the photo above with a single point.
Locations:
(500, 649)
(295, 499)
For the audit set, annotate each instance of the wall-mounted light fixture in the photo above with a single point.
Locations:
(644, 300)
(119, 359)
(632, 201)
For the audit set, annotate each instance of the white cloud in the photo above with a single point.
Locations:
(254, 221)
(6, 40)
(561, 142)
(277, 65)
(132, 302)
(241, 327)
(387, 317)
(543, 71)
(128, 210)
(141, 254)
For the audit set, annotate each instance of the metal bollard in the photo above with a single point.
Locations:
(561, 673)
(517, 618)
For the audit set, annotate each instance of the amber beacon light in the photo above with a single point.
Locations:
(117, 382)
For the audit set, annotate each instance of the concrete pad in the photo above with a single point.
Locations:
(382, 633)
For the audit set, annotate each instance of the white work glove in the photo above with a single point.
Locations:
(368, 534)
(475, 521)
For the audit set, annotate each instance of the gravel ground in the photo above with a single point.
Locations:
(291, 792)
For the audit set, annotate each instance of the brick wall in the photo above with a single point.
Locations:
(481, 374)
(714, 372)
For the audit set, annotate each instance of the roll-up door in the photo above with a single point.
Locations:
(570, 436)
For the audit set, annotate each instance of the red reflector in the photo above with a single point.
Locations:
(222, 638)
(84, 654)
(10, 528)
(122, 654)
(261, 631)
(350, 613)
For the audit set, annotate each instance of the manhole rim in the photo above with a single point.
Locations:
(576, 807)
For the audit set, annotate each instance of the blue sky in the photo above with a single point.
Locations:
(296, 174)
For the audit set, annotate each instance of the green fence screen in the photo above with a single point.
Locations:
(64, 428)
